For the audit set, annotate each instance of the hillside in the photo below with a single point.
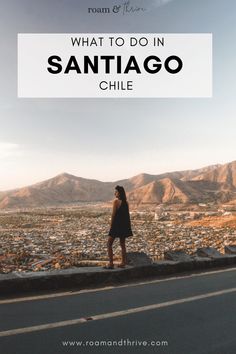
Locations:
(215, 183)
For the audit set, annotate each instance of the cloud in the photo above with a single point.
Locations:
(9, 150)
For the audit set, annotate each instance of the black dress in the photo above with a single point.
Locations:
(121, 225)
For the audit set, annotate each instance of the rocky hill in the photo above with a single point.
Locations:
(215, 183)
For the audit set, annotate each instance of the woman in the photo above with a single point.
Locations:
(120, 226)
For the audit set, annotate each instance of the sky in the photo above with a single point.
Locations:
(112, 139)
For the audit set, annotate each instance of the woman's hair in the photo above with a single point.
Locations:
(121, 191)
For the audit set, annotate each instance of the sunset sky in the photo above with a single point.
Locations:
(110, 139)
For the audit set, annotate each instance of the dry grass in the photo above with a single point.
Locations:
(214, 221)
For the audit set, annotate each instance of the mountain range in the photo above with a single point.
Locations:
(216, 183)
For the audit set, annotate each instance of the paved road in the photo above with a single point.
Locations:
(193, 314)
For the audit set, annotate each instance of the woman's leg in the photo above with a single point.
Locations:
(109, 248)
(123, 251)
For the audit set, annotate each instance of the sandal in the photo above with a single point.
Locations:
(108, 266)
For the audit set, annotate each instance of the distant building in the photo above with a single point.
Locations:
(158, 212)
(202, 205)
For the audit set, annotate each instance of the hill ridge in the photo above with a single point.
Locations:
(214, 183)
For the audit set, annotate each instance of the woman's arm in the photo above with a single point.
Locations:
(114, 209)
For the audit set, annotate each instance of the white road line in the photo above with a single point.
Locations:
(49, 296)
(103, 316)
(72, 293)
